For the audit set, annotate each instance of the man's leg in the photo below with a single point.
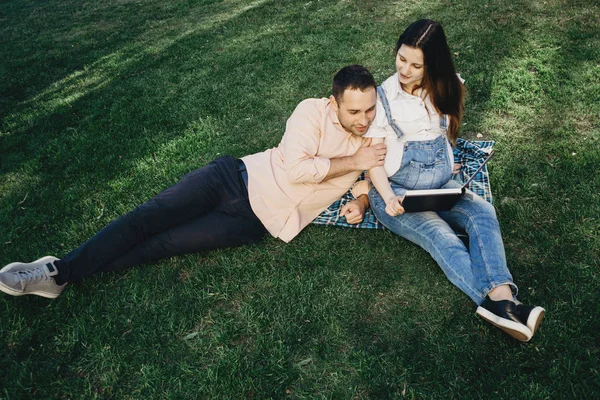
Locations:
(216, 230)
(217, 186)
(197, 193)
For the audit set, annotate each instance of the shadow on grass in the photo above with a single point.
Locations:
(149, 91)
(169, 106)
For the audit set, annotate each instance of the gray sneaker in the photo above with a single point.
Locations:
(18, 279)
(20, 266)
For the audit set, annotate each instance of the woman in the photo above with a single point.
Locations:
(419, 112)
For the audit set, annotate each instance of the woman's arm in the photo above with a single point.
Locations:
(393, 203)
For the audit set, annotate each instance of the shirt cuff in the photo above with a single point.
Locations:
(360, 188)
(321, 168)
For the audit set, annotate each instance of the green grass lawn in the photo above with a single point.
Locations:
(105, 103)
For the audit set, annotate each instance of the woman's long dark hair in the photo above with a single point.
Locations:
(439, 80)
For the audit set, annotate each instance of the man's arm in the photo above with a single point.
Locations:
(301, 143)
(365, 158)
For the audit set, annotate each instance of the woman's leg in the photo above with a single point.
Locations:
(432, 233)
(477, 273)
(478, 218)
(488, 259)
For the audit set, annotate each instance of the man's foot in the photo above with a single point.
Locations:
(19, 266)
(531, 316)
(505, 315)
(18, 279)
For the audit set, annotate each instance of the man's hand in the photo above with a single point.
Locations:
(354, 210)
(394, 207)
(364, 158)
(369, 157)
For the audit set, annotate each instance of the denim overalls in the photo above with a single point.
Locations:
(426, 165)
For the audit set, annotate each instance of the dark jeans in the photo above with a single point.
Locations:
(207, 209)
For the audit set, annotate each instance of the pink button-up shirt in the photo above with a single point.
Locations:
(285, 184)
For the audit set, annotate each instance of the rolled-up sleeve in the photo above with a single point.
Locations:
(301, 144)
(360, 188)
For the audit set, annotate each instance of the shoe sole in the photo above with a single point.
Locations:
(535, 319)
(12, 292)
(11, 266)
(514, 329)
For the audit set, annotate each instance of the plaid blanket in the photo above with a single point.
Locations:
(469, 154)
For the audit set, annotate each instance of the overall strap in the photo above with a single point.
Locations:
(388, 112)
(444, 122)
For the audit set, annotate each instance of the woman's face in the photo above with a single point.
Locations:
(410, 66)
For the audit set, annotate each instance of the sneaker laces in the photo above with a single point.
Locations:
(34, 275)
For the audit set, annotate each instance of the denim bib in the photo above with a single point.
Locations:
(425, 164)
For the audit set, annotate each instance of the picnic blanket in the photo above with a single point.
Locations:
(469, 154)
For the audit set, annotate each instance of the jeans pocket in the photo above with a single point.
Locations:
(421, 175)
(428, 175)
(440, 156)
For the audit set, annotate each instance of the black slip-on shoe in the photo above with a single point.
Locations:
(531, 316)
(505, 315)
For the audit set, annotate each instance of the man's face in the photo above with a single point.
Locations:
(356, 110)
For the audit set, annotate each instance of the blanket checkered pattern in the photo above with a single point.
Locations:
(469, 154)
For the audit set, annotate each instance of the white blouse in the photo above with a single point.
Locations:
(415, 116)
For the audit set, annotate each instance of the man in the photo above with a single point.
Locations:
(234, 202)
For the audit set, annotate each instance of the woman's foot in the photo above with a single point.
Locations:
(506, 315)
(531, 316)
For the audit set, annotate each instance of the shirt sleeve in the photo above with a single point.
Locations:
(361, 187)
(376, 132)
(301, 142)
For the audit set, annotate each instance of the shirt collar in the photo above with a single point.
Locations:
(331, 112)
(394, 90)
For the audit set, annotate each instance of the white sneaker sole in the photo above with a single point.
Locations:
(535, 319)
(13, 292)
(514, 329)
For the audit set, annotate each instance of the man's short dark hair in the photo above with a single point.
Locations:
(352, 77)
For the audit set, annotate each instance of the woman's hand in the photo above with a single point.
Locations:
(394, 207)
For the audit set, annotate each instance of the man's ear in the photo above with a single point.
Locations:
(336, 107)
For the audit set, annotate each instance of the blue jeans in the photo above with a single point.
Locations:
(207, 209)
(476, 270)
